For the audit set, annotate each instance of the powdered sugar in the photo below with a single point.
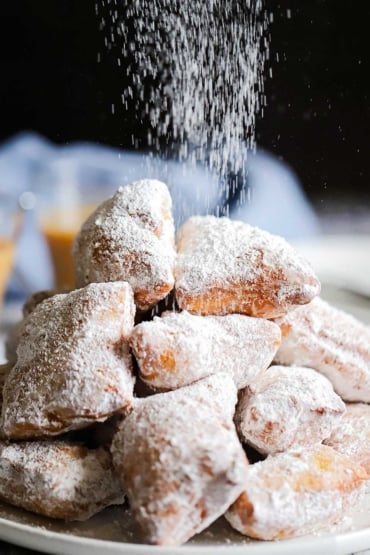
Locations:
(180, 348)
(58, 478)
(253, 271)
(130, 237)
(194, 69)
(73, 362)
(331, 341)
(294, 493)
(288, 407)
(352, 435)
(191, 464)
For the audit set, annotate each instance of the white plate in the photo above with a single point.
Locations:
(113, 532)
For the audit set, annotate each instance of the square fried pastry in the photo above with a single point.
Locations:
(180, 459)
(297, 492)
(58, 479)
(352, 435)
(287, 407)
(130, 237)
(226, 266)
(330, 341)
(73, 365)
(180, 348)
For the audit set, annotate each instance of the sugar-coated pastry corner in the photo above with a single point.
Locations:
(130, 237)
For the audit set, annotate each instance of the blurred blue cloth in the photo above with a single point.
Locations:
(275, 200)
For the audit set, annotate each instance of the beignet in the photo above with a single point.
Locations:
(226, 266)
(58, 479)
(287, 407)
(330, 341)
(296, 493)
(180, 460)
(130, 237)
(180, 348)
(352, 435)
(74, 365)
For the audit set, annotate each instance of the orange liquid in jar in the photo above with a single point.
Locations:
(6, 263)
(59, 227)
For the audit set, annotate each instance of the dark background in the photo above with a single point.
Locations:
(318, 111)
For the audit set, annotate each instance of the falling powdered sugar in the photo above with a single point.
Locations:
(195, 71)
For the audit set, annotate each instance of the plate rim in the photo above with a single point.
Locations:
(61, 543)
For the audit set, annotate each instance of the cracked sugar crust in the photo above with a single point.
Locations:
(296, 493)
(330, 341)
(130, 237)
(287, 407)
(180, 348)
(74, 365)
(58, 479)
(180, 459)
(226, 266)
(352, 435)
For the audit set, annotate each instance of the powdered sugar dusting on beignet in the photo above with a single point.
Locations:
(226, 266)
(180, 348)
(286, 407)
(58, 479)
(331, 341)
(130, 237)
(74, 365)
(180, 459)
(352, 435)
(296, 493)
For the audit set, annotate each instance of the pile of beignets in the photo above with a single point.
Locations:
(194, 378)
